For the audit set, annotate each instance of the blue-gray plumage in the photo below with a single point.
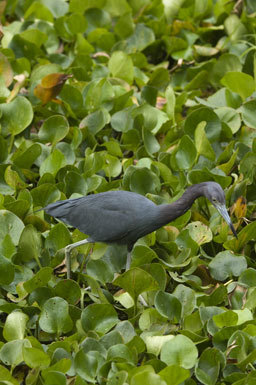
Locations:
(123, 217)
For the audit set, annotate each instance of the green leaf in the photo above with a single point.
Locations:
(202, 144)
(36, 358)
(28, 157)
(227, 318)
(229, 116)
(58, 238)
(199, 232)
(53, 163)
(10, 224)
(55, 316)
(122, 121)
(41, 278)
(69, 290)
(168, 306)
(29, 244)
(11, 353)
(187, 298)
(170, 102)
(148, 378)
(226, 264)
(136, 281)
(186, 153)
(15, 326)
(240, 83)
(96, 121)
(151, 144)
(179, 351)
(140, 39)
(6, 271)
(208, 366)
(54, 129)
(121, 66)
(248, 110)
(16, 116)
(204, 114)
(99, 317)
(143, 181)
(45, 194)
(174, 374)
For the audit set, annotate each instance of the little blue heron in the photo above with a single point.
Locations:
(123, 217)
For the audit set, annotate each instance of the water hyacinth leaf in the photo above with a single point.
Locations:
(13, 179)
(10, 224)
(151, 144)
(136, 281)
(6, 377)
(53, 163)
(187, 298)
(199, 232)
(122, 121)
(28, 157)
(76, 23)
(208, 367)
(15, 326)
(143, 181)
(55, 316)
(248, 110)
(69, 290)
(174, 374)
(99, 317)
(226, 265)
(170, 102)
(6, 271)
(6, 70)
(16, 116)
(36, 358)
(30, 243)
(45, 194)
(11, 353)
(75, 183)
(230, 116)
(202, 144)
(240, 83)
(87, 364)
(121, 66)
(41, 278)
(186, 153)
(58, 238)
(54, 377)
(244, 236)
(148, 378)
(227, 318)
(204, 114)
(153, 118)
(179, 351)
(54, 129)
(96, 121)
(168, 306)
(140, 39)
(100, 270)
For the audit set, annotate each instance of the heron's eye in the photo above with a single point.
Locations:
(214, 200)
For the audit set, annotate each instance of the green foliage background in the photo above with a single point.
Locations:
(161, 94)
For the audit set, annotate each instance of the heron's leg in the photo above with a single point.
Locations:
(68, 249)
(128, 260)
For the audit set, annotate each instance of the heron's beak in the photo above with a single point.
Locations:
(224, 213)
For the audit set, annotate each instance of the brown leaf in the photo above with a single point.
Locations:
(50, 86)
(239, 208)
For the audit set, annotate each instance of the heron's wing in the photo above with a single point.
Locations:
(106, 217)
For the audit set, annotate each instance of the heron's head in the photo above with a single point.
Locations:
(214, 192)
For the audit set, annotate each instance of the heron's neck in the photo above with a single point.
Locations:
(174, 210)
